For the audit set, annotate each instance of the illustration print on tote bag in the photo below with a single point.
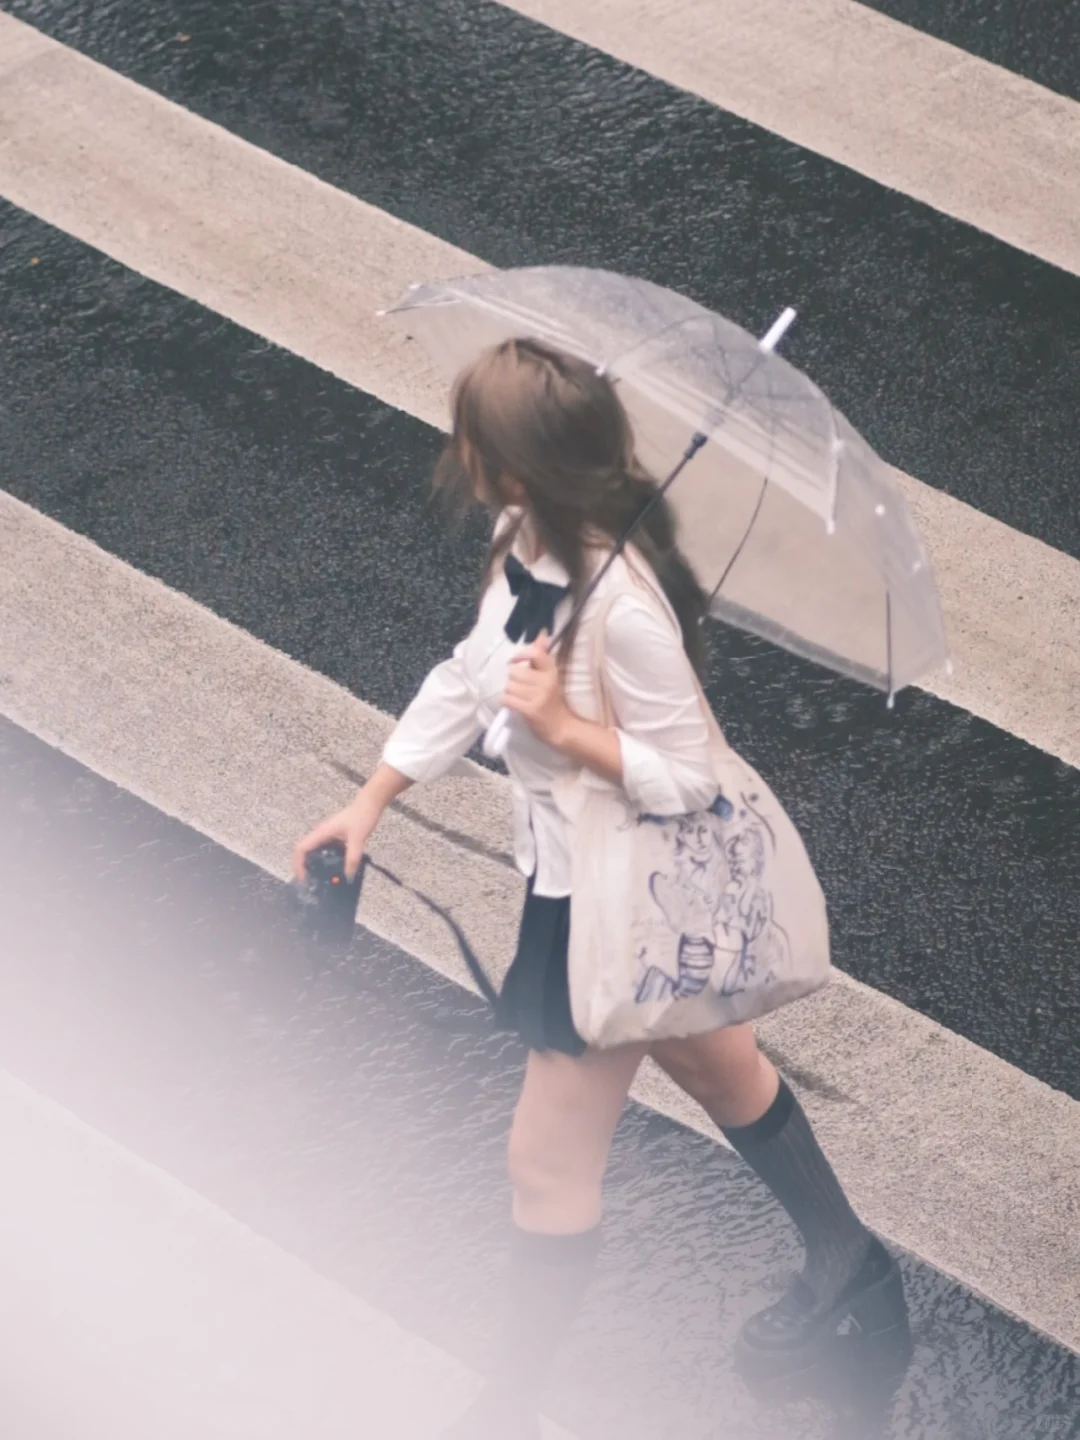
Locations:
(711, 918)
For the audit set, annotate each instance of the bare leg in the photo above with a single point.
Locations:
(724, 1071)
(561, 1136)
(558, 1153)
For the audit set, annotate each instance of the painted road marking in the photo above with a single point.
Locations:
(198, 718)
(915, 113)
(166, 1317)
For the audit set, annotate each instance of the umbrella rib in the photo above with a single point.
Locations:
(891, 701)
(644, 341)
(754, 517)
(741, 545)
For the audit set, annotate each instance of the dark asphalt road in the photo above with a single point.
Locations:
(956, 355)
(152, 983)
(298, 508)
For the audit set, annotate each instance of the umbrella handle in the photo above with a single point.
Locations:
(498, 736)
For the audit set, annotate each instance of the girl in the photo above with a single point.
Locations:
(544, 441)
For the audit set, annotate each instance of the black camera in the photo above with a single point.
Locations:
(329, 900)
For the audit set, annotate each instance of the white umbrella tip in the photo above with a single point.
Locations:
(777, 330)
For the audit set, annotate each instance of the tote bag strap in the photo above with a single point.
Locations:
(642, 582)
(598, 655)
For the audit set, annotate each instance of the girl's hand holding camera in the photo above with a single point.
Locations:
(353, 825)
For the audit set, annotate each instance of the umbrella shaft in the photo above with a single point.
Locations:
(766, 345)
(646, 510)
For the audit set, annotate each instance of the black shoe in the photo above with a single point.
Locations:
(493, 1415)
(798, 1333)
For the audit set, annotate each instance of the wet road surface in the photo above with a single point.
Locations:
(352, 1107)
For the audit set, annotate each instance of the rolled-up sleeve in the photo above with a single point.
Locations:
(439, 727)
(663, 734)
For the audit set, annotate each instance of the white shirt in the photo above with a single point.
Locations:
(663, 735)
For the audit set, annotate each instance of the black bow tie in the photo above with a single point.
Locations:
(536, 602)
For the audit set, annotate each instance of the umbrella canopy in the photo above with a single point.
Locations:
(790, 520)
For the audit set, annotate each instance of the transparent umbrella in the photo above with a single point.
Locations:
(793, 524)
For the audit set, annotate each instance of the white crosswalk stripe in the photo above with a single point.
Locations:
(925, 118)
(246, 1342)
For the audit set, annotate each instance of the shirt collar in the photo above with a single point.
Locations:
(547, 568)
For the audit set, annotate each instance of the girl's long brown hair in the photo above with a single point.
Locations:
(526, 412)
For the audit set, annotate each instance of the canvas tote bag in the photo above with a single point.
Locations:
(682, 924)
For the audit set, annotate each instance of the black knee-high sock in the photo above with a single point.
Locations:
(782, 1150)
(549, 1275)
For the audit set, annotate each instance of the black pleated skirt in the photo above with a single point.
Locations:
(535, 997)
